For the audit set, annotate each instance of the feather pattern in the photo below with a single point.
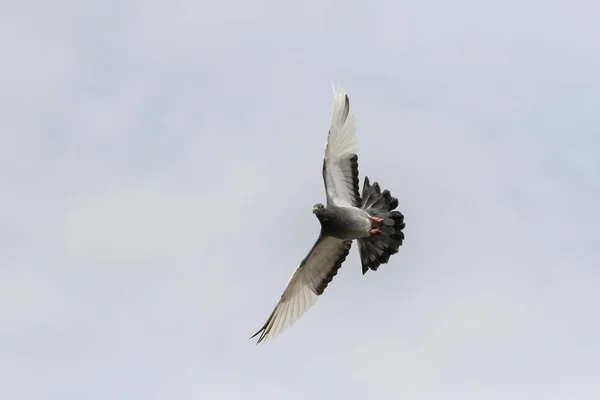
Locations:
(308, 282)
(340, 164)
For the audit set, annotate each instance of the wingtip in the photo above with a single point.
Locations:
(260, 339)
(341, 106)
(338, 91)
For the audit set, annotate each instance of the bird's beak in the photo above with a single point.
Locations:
(314, 210)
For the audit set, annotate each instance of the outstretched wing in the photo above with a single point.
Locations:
(340, 164)
(306, 283)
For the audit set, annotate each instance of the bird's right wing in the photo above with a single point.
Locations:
(306, 283)
(340, 164)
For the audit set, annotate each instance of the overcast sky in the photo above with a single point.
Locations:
(159, 162)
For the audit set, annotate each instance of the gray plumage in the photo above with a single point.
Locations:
(346, 223)
(368, 218)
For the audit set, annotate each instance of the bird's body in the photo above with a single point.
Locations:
(345, 222)
(369, 218)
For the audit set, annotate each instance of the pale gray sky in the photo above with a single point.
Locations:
(159, 162)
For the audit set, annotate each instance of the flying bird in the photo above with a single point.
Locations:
(369, 218)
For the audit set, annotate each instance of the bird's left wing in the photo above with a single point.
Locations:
(340, 164)
(306, 283)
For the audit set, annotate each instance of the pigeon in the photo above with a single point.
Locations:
(371, 219)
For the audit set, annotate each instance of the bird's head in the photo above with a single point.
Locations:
(318, 208)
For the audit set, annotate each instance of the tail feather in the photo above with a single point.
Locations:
(378, 248)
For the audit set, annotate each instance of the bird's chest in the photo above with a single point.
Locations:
(346, 225)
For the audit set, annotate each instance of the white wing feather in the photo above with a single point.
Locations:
(341, 146)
